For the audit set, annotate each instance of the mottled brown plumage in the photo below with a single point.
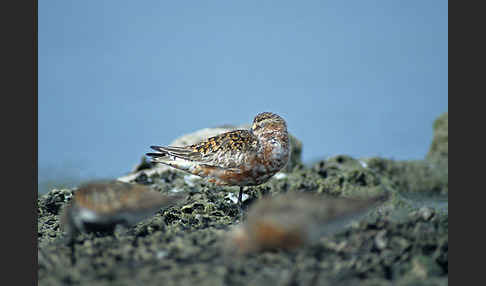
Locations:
(236, 158)
(207, 151)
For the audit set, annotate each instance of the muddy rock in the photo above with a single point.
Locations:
(402, 242)
(184, 245)
(439, 149)
(420, 176)
(429, 176)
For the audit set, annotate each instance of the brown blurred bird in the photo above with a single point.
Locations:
(294, 220)
(101, 206)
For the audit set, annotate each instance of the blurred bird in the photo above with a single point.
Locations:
(295, 220)
(101, 206)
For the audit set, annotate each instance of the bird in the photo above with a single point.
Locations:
(243, 157)
(99, 206)
(295, 219)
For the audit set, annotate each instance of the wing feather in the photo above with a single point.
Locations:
(219, 151)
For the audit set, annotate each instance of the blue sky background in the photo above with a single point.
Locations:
(364, 78)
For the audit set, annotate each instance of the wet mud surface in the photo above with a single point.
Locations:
(402, 242)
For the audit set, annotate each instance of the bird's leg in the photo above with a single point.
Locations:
(240, 196)
(240, 199)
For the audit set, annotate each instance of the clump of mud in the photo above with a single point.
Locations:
(403, 242)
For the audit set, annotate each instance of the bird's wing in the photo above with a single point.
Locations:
(210, 150)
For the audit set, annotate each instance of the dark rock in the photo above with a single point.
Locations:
(400, 243)
(439, 149)
(412, 176)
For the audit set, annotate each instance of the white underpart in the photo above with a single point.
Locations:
(363, 163)
(82, 216)
(157, 170)
(161, 254)
(184, 164)
(234, 198)
(280, 175)
(86, 215)
(189, 180)
(176, 190)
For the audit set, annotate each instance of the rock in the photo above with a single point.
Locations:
(345, 176)
(424, 267)
(426, 213)
(420, 176)
(143, 165)
(439, 149)
(183, 245)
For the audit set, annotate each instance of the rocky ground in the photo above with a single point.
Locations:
(403, 242)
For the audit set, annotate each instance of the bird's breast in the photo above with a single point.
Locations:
(276, 153)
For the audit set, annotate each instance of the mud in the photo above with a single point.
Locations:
(403, 242)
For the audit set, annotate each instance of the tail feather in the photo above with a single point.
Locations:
(178, 152)
(173, 157)
(155, 155)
